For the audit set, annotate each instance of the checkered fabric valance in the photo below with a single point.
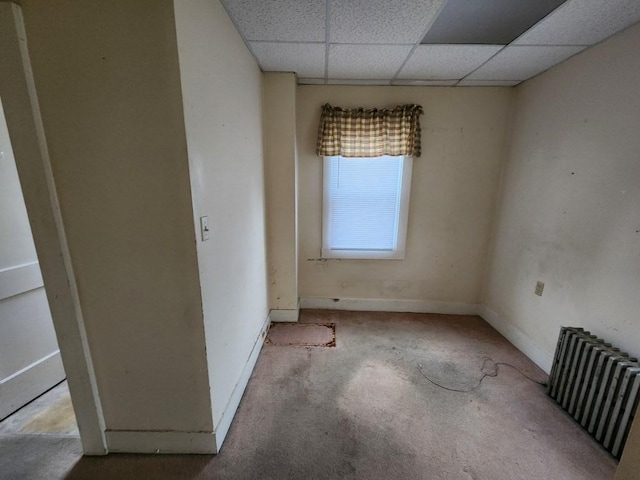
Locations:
(360, 132)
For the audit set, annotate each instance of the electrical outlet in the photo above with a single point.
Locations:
(539, 288)
(204, 228)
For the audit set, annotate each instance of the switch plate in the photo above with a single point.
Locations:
(539, 288)
(204, 228)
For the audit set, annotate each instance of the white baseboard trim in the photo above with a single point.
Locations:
(285, 315)
(387, 305)
(124, 441)
(211, 442)
(26, 384)
(20, 279)
(512, 333)
(518, 338)
(224, 423)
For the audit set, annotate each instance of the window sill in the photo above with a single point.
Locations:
(363, 254)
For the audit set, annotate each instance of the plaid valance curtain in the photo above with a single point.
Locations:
(360, 132)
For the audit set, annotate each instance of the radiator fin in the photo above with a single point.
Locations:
(597, 385)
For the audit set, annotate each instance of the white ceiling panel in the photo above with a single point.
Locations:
(366, 61)
(284, 20)
(523, 62)
(368, 41)
(429, 83)
(582, 22)
(488, 83)
(306, 59)
(381, 21)
(441, 62)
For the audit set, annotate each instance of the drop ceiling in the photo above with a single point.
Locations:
(423, 42)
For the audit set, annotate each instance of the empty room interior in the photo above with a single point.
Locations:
(357, 239)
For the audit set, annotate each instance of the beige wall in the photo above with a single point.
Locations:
(569, 214)
(222, 92)
(280, 159)
(453, 195)
(109, 88)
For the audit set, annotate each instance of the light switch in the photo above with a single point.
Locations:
(204, 228)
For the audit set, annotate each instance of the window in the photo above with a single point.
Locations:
(366, 204)
(368, 154)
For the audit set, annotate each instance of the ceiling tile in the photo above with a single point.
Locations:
(523, 62)
(582, 22)
(488, 83)
(366, 61)
(441, 62)
(311, 81)
(306, 59)
(284, 20)
(381, 21)
(487, 22)
(432, 83)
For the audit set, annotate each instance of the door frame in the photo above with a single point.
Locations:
(22, 113)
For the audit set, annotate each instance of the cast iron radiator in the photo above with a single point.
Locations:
(597, 385)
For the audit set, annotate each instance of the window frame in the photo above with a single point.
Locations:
(403, 218)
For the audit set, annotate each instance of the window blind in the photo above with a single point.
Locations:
(364, 202)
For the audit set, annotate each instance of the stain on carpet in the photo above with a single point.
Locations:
(49, 414)
(56, 418)
(302, 335)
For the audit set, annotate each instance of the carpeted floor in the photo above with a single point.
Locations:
(364, 410)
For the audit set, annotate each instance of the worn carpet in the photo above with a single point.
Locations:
(365, 410)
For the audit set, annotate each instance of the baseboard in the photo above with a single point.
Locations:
(282, 315)
(223, 425)
(125, 441)
(23, 386)
(189, 442)
(386, 305)
(211, 442)
(20, 279)
(518, 338)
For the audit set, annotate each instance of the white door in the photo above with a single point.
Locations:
(30, 360)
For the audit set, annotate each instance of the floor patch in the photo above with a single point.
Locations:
(302, 335)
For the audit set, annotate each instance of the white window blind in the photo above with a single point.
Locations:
(364, 207)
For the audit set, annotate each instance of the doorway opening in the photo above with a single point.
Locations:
(34, 396)
(53, 266)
